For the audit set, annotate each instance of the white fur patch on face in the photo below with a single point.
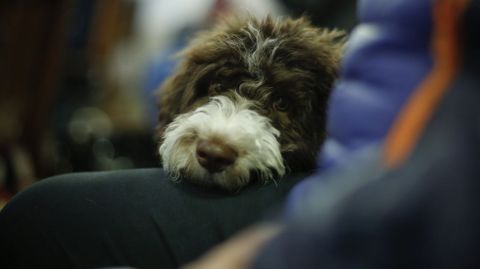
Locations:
(250, 134)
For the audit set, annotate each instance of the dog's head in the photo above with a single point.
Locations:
(248, 96)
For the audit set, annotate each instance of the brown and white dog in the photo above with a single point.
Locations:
(248, 100)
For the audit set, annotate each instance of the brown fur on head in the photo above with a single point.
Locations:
(287, 66)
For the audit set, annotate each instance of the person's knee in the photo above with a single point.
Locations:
(38, 196)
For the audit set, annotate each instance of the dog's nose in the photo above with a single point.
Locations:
(214, 155)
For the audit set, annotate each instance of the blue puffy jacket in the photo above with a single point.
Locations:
(387, 56)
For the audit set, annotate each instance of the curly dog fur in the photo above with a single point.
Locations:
(248, 100)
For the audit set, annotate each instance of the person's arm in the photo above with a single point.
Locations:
(238, 252)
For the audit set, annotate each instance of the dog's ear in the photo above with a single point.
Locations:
(190, 81)
(326, 45)
(330, 48)
(171, 96)
(312, 58)
(179, 93)
(168, 97)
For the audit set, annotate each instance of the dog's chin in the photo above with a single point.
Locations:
(226, 180)
(232, 122)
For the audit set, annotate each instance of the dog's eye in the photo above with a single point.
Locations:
(281, 105)
(215, 89)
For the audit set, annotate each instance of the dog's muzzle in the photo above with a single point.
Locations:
(221, 143)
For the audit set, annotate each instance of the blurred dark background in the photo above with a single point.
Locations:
(77, 77)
